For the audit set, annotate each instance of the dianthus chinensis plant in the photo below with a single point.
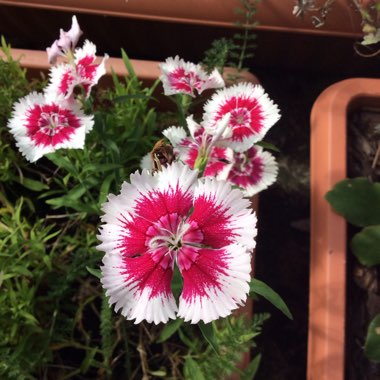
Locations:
(170, 252)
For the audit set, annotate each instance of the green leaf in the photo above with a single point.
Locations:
(105, 187)
(268, 146)
(357, 200)
(208, 333)
(365, 245)
(262, 289)
(101, 167)
(62, 162)
(192, 371)
(372, 342)
(124, 98)
(159, 373)
(95, 272)
(32, 184)
(169, 329)
(75, 193)
(128, 64)
(251, 370)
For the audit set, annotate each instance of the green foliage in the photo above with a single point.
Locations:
(233, 336)
(365, 245)
(51, 303)
(262, 289)
(55, 317)
(372, 343)
(358, 200)
(235, 51)
(218, 55)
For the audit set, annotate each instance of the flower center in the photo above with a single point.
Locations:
(172, 237)
(240, 117)
(51, 123)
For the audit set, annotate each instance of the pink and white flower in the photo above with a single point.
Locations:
(199, 147)
(252, 114)
(83, 72)
(253, 171)
(66, 43)
(180, 77)
(40, 126)
(203, 225)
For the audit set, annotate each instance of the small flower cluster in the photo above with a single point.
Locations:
(44, 122)
(187, 211)
(234, 120)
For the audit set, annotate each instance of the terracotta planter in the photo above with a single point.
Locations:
(327, 310)
(272, 15)
(148, 71)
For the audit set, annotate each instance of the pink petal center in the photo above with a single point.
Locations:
(248, 169)
(50, 125)
(246, 116)
(181, 80)
(172, 237)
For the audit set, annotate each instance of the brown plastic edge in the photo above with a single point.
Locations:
(145, 70)
(272, 15)
(327, 302)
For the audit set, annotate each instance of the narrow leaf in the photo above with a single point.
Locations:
(169, 329)
(251, 370)
(128, 65)
(268, 146)
(32, 184)
(95, 272)
(208, 333)
(192, 371)
(262, 289)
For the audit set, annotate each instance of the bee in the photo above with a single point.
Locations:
(162, 155)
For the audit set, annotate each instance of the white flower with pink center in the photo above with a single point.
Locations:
(251, 111)
(83, 72)
(180, 77)
(40, 126)
(253, 171)
(203, 225)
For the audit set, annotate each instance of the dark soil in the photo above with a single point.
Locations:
(363, 300)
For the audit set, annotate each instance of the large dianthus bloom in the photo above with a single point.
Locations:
(253, 170)
(180, 77)
(40, 126)
(82, 72)
(252, 114)
(203, 225)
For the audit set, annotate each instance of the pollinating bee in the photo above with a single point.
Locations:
(162, 155)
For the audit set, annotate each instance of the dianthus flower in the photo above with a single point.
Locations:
(251, 111)
(202, 225)
(42, 126)
(199, 151)
(82, 72)
(66, 43)
(180, 77)
(253, 170)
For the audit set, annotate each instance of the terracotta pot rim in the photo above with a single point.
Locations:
(327, 302)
